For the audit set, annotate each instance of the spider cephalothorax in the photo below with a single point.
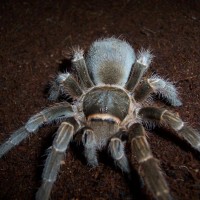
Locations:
(108, 103)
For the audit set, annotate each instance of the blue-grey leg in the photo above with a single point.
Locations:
(79, 64)
(142, 63)
(54, 159)
(64, 83)
(163, 116)
(149, 166)
(56, 112)
(157, 85)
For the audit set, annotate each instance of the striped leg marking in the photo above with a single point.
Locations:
(150, 169)
(53, 162)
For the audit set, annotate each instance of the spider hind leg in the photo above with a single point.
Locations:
(79, 64)
(141, 65)
(66, 84)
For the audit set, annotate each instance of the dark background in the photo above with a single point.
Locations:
(34, 37)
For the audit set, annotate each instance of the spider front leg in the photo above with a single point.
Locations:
(56, 112)
(53, 162)
(174, 121)
(150, 170)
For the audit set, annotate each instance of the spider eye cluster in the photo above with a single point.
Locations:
(109, 61)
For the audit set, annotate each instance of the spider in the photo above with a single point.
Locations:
(108, 104)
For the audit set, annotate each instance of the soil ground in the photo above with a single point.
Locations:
(34, 37)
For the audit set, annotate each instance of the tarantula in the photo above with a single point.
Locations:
(108, 104)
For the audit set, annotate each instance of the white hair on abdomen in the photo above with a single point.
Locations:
(109, 61)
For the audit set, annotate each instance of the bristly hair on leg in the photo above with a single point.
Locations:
(165, 89)
(73, 53)
(145, 57)
(54, 91)
(77, 53)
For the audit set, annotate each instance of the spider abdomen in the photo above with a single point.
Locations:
(109, 61)
(102, 102)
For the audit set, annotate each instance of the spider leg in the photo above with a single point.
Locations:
(65, 83)
(143, 92)
(54, 91)
(141, 65)
(14, 140)
(158, 85)
(79, 64)
(150, 170)
(56, 112)
(54, 159)
(174, 121)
